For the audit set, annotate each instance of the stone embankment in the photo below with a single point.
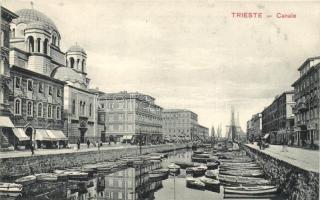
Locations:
(294, 182)
(21, 166)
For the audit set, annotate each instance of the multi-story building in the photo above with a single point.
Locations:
(254, 127)
(307, 107)
(130, 114)
(203, 132)
(179, 122)
(5, 123)
(278, 118)
(36, 99)
(35, 47)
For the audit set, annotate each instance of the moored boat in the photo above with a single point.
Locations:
(46, 177)
(244, 173)
(174, 169)
(201, 155)
(211, 184)
(185, 164)
(253, 192)
(159, 174)
(213, 165)
(10, 189)
(239, 180)
(212, 174)
(26, 180)
(194, 183)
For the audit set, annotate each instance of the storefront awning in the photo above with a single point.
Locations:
(42, 135)
(127, 137)
(52, 135)
(6, 122)
(58, 135)
(21, 135)
(266, 136)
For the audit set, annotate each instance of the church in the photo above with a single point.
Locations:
(51, 103)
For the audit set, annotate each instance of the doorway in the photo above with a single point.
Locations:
(82, 134)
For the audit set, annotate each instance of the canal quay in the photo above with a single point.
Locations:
(176, 172)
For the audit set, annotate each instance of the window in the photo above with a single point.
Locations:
(18, 82)
(29, 108)
(45, 46)
(50, 90)
(38, 44)
(30, 85)
(73, 106)
(90, 109)
(58, 113)
(40, 87)
(49, 111)
(17, 106)
(40, 110)
(59, 93)
(72, 62)
(31, 44)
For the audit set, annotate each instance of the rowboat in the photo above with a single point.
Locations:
(10, 189)
(202, 155)
(248, 196)
(195, 183)
(26, 180)
(212, 165)
(46, 177)
(184, 164)
(245, 173)
(235, 160)
(159, 174)
(251, 190)
(224, 168)
(212, 174)
(203, 160)
(238, 180)
(198, 152)
(211, 184)
(174, 169)
(196, 171)
(73, 175)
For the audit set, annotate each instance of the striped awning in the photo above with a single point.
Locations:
(58, 135)
(42, 135)
(21, 135)
(6, 122)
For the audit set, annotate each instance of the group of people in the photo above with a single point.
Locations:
(96, 144)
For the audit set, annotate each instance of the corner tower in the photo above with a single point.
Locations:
(76, 59)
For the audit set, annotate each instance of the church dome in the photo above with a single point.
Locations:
(76, 48)
(36, 25)
(28, 16)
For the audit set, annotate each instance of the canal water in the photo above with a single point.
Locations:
(126, 184)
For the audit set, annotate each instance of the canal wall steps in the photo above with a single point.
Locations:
(21, 166)
(294, 182)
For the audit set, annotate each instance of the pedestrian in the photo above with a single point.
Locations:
(98, 144)
(32, 149)
(88, 143)
(78, 144)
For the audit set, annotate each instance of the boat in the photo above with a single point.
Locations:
(201, 155)
(248, 196)
(198, 151)
(104, 169)
(262, 189)
(69, 174)
(26, 180)
(10, 189)
(46, 177)
(174, 169)
(202, 160)
(185, 164)
(245, 173)
(212, 174)
(235, 160)
(213, 165)
(197, 171)
(194, 183)
(159, 174)
(211, 184)
(240, 180)
(224, 168)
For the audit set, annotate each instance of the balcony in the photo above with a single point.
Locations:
(301, 123)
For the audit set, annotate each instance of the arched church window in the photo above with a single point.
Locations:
(38, 45)
(71, 62)
(31, 44)
(13, 33)
(83, 65)
(78, 63)
(45, 46)
(73, 106)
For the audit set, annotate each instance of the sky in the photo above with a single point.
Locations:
(189, 54)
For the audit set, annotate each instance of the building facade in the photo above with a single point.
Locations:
(130, 114)
(35, 46)
(307, 109)
(5, 123)
(278, 118)
(203, 132)
(254, 127)
(179, 122)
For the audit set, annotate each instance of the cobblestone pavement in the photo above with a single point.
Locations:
(72, 148)
(304, 158)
